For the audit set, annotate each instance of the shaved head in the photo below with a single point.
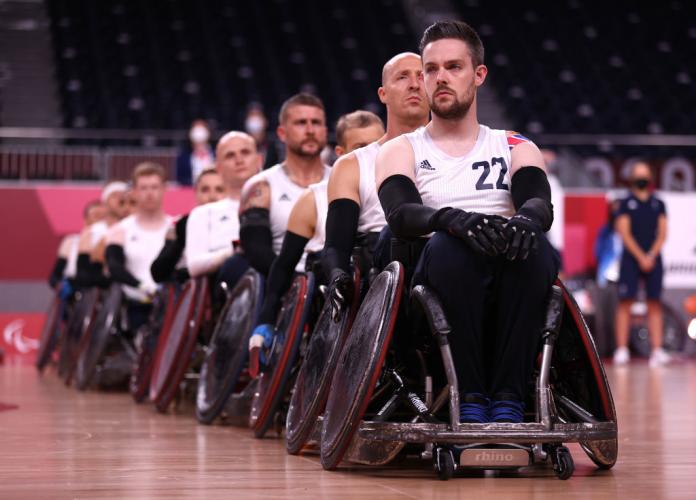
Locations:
(233, 135)
(391, 63)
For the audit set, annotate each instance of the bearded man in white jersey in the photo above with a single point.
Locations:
(268, 197)
(134, 243)
(212, 229)
(305, 235)
(355, 213)
(484, 195)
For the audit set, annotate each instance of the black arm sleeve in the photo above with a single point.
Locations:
(280, 276)
(341, 226)
(256, 238)
(531, 195)
(403, 207)
(57, 272)
(90, 273)
(163, 266)
(116, 261)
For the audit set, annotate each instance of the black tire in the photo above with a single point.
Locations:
(578, 374)
(51, 331)
(360, 364)
(563, 464)
(228, 352)
(175, 346)
(87, 303)
(443, 462)
(160, 319)
(96, 340)
(674, 332)
(272, 383)
(314, 378)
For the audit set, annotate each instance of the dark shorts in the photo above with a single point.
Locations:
(630, 276)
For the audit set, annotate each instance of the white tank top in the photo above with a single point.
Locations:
(210, 228)
(284, 194)
(321, 202)
(97, 232)
(476, 182)
(71, 261)
(371, 218)
(141, 247)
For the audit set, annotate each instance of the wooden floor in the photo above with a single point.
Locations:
(58, 443)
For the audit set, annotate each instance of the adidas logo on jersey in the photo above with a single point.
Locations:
(284, 197)
(425, 165)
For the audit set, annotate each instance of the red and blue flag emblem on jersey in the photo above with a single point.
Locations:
(515, 139)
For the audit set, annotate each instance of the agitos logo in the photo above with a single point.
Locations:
(13, 335)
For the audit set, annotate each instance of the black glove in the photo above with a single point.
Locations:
(340, 292)
(482, 233)
(522, 234)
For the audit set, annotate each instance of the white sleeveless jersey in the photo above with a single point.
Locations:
(476, 182)
(371, 219)
(284, 194)
(71, 260)
(141, 247)
(97, 232)
(321, 202)
(210, 229)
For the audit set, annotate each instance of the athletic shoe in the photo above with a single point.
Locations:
(473, 409)
(506, 409)
(622, 356)
(659, 357)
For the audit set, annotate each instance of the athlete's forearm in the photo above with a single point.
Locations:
(341, 226)
(280, 275)
(57, 271)
(256, 238)
(404, 210)
(207, 262)
(116, 262)
(163, 266)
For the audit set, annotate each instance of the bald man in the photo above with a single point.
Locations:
(212, 228)
(354, 207)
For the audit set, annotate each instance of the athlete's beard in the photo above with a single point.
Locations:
(297, 150)
(453, 111)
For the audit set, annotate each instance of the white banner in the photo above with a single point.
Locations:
(679, 251)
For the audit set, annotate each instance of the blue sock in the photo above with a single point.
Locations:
(473, 409)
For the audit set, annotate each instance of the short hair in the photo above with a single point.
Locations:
(148, 168)
(356, 119)
(89, 206)
(458, 30)
(207, 171)
(301, 99)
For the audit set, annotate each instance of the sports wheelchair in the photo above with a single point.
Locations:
(395, 386)
(180, 343)
(106, 353)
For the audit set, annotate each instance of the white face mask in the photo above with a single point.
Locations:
(199, 134)
(254, 125)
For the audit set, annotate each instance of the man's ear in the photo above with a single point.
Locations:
(339, 151)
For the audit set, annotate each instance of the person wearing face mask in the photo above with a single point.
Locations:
(198, 156)
(256, 125)
(642, 225)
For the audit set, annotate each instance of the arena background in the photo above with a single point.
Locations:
(88, 89)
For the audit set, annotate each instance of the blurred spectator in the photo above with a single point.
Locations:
(607, 251)
(196, 156)
(256, 125)
(556, 233)
(642, 225)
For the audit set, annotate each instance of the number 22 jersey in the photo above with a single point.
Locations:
(476, 182)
